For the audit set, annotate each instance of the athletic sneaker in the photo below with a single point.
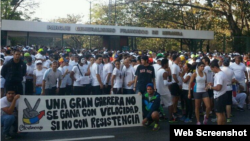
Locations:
(187, 120)
(156, 127)
(229, 120)
(7, 136)
(214, 119)
(240, 109)
(172, 120)
(205, 120)
(198, 123)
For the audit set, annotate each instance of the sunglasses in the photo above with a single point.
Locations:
(39, 64)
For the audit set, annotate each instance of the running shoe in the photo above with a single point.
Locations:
(7, 136)
(173, 120)
(187, 120)
(198, 123)
(156, 127)
(229, 120)
(240, 109)
(205, 120)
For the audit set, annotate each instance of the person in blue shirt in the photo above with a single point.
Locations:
(151, 107)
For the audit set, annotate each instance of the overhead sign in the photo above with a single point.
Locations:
(53, 113)
(103, 30)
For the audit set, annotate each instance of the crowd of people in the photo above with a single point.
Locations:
(201, 83)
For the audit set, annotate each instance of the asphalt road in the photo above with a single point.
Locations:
(121, 134)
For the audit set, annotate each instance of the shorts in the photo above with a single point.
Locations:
(166, 100)
(220, 104)
(210, 93)
(200, 95)
(175, 89)
(2, 82)
(229, 97)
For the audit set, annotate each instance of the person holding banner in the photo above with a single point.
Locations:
(151, 107)
(9, 105)
(50, 80)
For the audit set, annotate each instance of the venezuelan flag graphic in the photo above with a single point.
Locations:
(234, 86)
(34, 119)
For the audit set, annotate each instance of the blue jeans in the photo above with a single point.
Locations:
(7, 121)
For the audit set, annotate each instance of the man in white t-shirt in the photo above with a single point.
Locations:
(240, 72)
(157, 66)
(175, 89)
(106, 74)
(129, 77)
(50, 77)
(220, 89)
(96, 73)
(230, 79)
(80, 77)
(9, 106)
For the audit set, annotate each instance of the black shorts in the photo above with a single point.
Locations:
(229, 97)
(220, 103)
(210, 93)
(175, 90)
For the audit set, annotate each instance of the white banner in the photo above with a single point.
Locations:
(60, 113)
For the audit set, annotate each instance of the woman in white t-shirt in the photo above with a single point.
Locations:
(38, 77)
(116, 80)
(186, 75)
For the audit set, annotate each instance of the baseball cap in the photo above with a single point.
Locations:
(150, 85)
(38, 61)
(159, 55)
(26, 54)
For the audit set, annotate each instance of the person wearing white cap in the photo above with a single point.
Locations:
(38, 77)
(157, 66)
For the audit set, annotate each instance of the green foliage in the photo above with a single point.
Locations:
(229, 17)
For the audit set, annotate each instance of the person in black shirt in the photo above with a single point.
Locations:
(144, 74)
(14, 71)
